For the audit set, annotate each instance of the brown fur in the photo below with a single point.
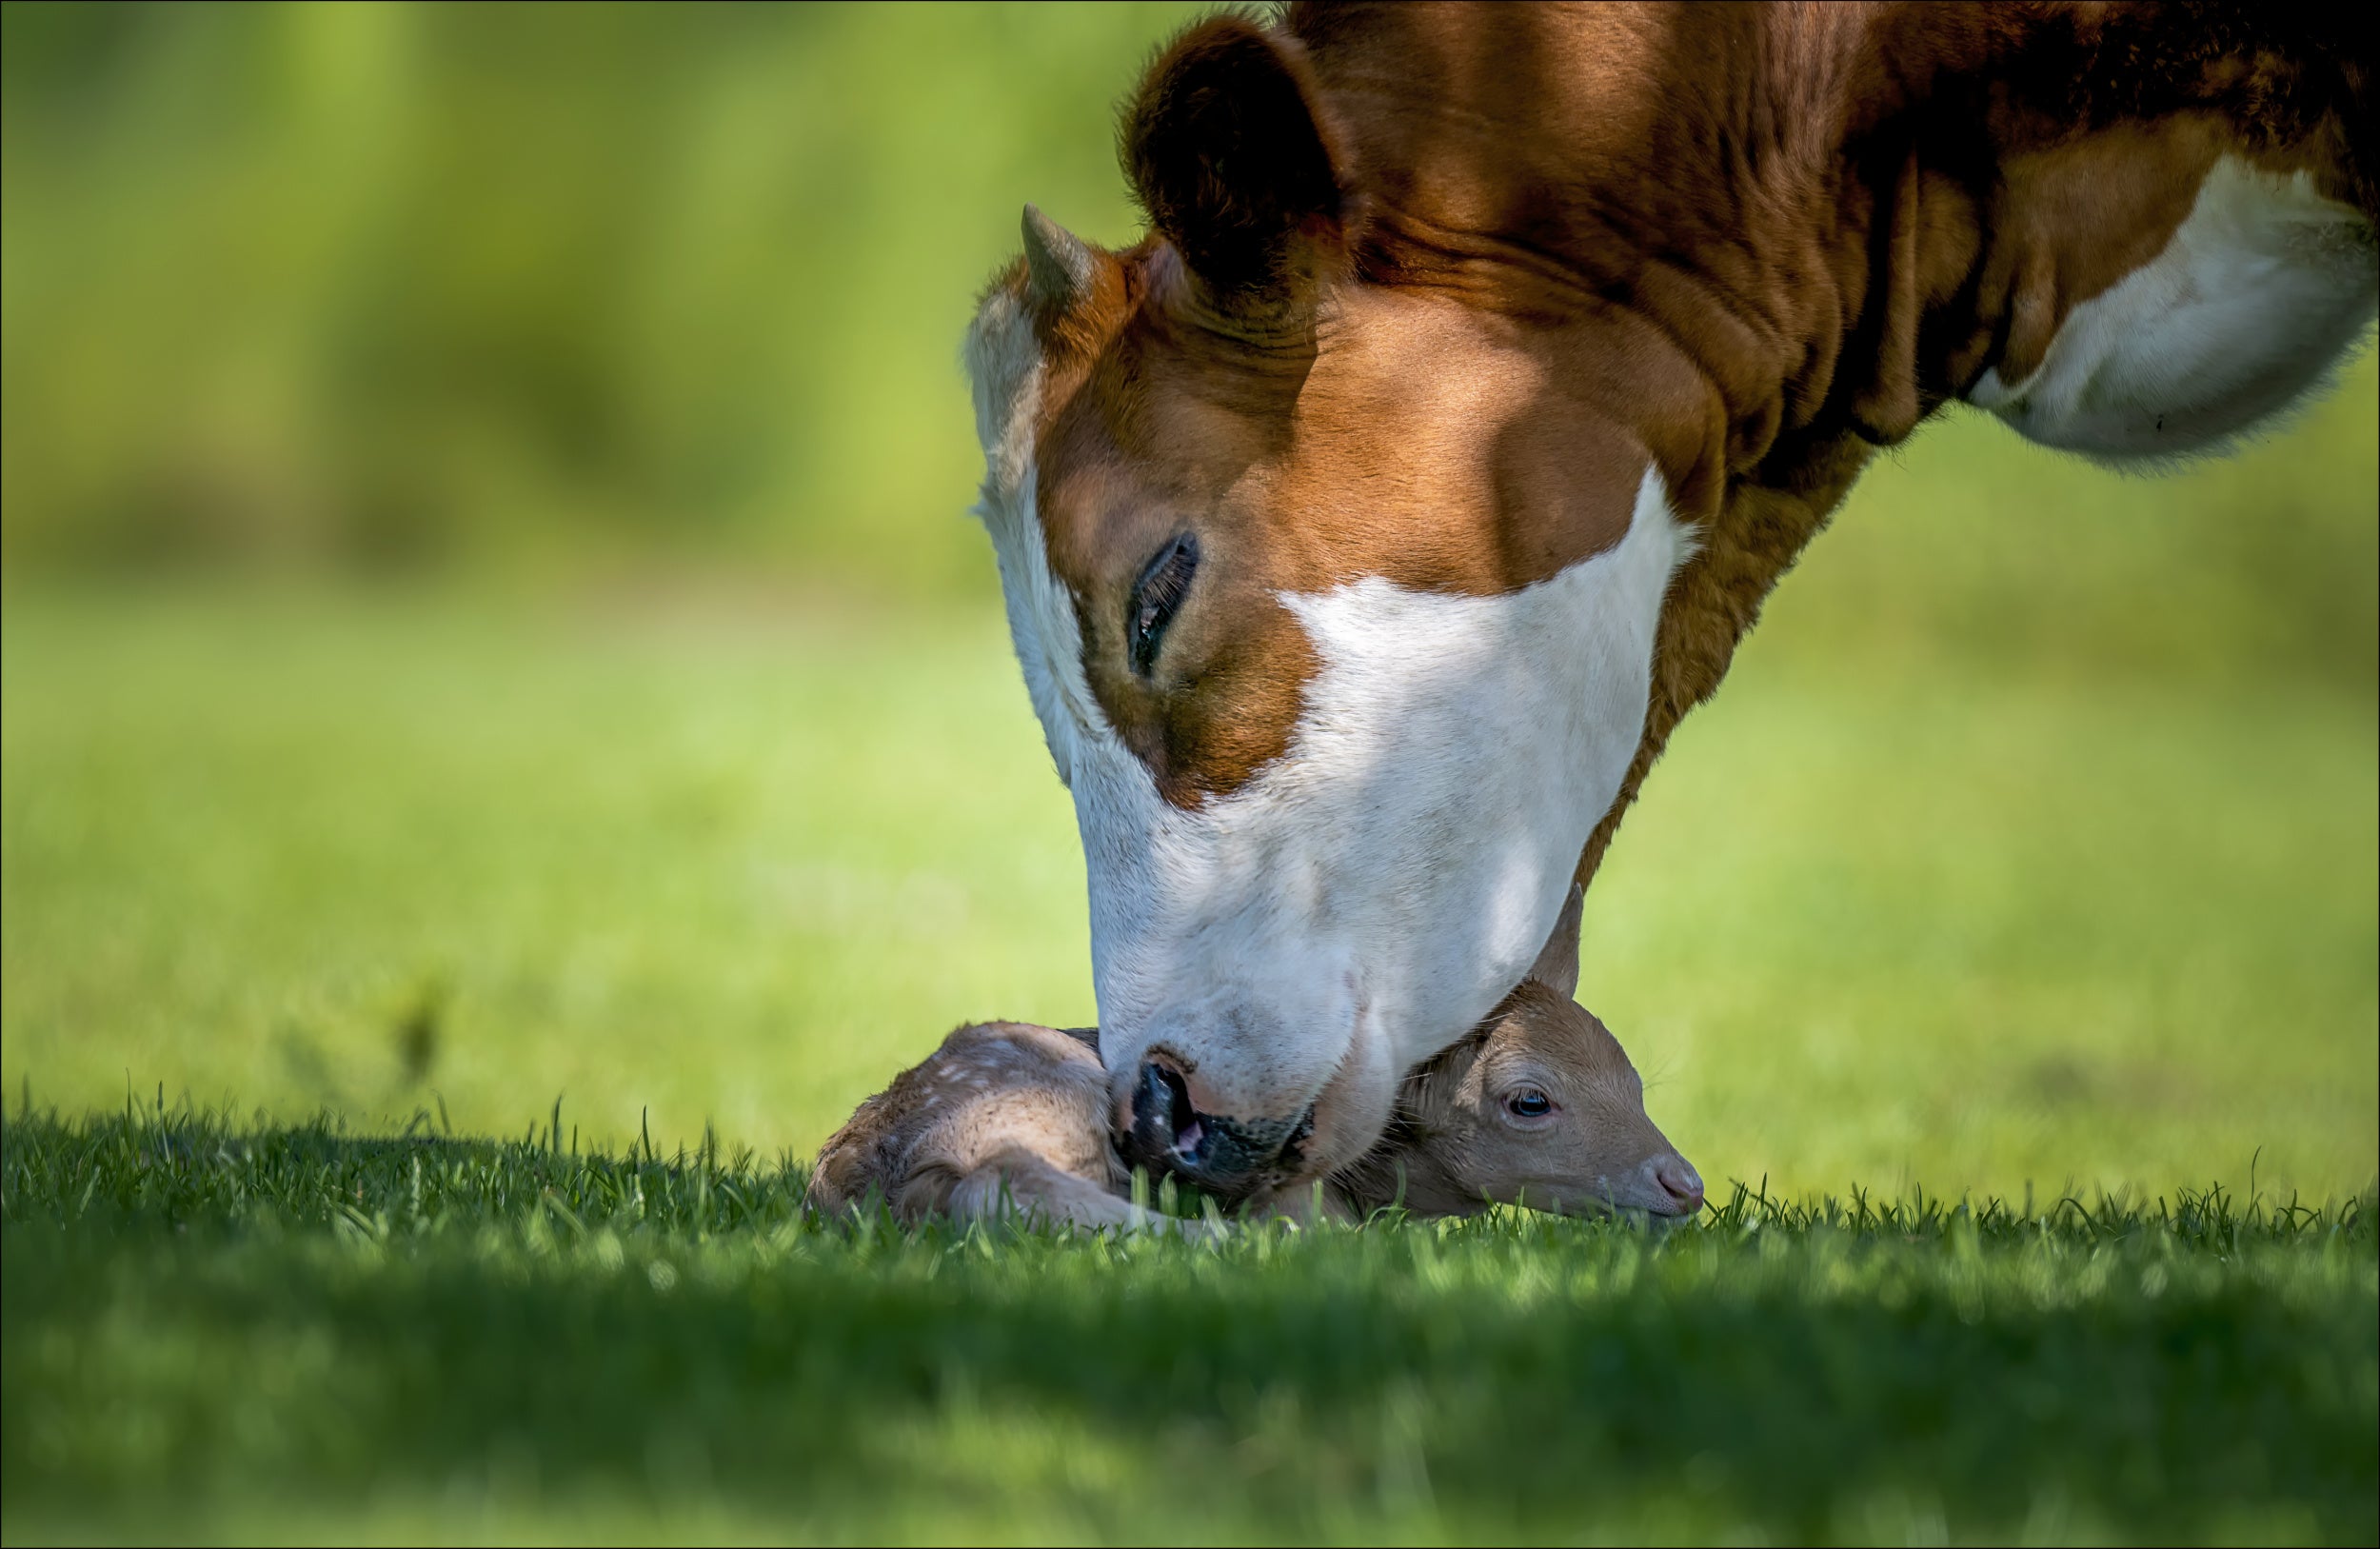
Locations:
(1452, 1149)
(1001, 1106)
(1429, 284)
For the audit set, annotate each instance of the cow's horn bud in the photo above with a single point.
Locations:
(1059, 262)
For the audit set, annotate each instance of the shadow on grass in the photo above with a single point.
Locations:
(195, 1315)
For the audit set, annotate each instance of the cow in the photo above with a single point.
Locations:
(1366, 528)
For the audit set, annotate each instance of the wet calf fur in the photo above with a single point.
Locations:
(1005, 1115)
(1538, 1106)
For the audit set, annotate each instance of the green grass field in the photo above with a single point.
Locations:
(2027, 856)
(297, 1333)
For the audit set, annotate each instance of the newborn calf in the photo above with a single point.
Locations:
(1002, 1108)
(1538, 1106)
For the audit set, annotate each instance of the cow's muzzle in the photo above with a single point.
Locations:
(1220, 1154)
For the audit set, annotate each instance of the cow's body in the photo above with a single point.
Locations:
(1367, 528)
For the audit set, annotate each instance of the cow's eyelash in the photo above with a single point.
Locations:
(1156, 597)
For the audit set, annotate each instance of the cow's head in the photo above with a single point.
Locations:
(1338, 625)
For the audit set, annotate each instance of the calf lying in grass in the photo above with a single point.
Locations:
(1538, 1106)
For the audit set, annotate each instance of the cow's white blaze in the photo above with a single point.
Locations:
(2253, 298)
(1361, 902)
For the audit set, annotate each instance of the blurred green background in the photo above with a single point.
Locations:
(427, 288)
(489, 615)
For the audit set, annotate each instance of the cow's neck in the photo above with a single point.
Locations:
(1839, 218)
(1753, 538)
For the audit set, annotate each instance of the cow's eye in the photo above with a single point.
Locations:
(1527, 1102)
(1156, 597)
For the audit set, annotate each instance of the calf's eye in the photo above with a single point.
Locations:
(1156, 597)
(1528, 1102)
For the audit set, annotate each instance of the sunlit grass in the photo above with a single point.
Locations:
(677, 864)
(220, 1330)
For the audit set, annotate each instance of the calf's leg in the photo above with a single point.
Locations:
(1019, 1183)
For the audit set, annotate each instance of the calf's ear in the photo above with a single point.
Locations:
(1234, 161)
(1557, 967)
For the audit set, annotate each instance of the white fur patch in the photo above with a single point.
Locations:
(2258, 294)
(1364, 898)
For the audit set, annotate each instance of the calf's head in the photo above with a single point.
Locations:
(1338, 626)
(1539, 1106)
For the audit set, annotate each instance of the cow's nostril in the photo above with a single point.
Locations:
(1226, 1156)
(1184, 1117)
(1165, 1128)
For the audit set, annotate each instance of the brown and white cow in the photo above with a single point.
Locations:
(1366, 527)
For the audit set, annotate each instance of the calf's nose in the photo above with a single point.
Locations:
(1680, 1181)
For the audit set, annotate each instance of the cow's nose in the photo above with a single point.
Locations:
(1164, 1121)
(1222, 1155)
(1680, 1181)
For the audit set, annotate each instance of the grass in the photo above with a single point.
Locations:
(1957, 930)
(2022, 888)
(229, 1332)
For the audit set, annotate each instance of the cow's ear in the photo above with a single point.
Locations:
(1234, 161)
